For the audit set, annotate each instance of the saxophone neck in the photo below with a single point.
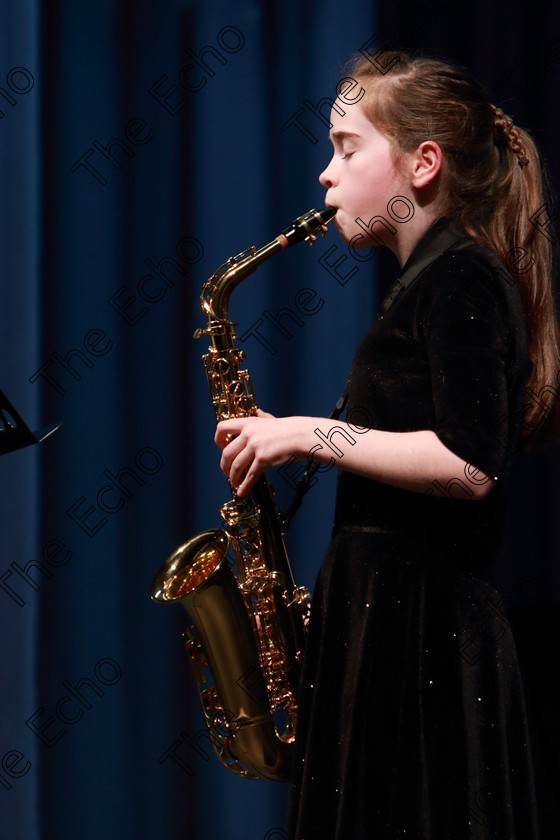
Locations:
(218, 289)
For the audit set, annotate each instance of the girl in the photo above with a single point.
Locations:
(411, 718)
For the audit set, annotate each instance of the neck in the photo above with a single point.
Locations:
(409, 234)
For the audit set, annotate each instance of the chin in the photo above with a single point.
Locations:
(340, 229)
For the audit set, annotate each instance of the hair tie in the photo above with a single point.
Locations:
(523, 161)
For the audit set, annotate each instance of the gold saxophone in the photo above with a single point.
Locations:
(248, 617)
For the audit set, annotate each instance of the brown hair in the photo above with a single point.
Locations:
(494, 181)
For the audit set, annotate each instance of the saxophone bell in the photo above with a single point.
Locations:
(224, 657)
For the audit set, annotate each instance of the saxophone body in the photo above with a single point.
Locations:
(248, 618)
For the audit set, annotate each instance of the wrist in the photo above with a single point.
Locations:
(326, 440)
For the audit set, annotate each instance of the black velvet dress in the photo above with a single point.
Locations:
(412, 722)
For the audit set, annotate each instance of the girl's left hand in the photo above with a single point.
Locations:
(258, 443)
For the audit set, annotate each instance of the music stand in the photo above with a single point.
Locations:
(14, 433)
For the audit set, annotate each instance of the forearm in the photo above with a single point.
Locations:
(410, 460)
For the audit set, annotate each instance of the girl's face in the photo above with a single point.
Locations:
(361, 177)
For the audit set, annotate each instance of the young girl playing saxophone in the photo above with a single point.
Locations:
(403, 731)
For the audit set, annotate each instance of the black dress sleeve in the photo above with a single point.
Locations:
(473, 326)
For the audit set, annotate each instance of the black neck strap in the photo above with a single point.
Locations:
(304, 483)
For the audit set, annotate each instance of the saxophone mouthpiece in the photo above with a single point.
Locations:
(307, 227)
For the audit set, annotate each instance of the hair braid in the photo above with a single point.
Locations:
(505, 131)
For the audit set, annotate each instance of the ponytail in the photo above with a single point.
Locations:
(525, 246)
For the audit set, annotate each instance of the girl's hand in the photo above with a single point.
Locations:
(258, 443)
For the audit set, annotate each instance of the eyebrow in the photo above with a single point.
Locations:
(341, 135)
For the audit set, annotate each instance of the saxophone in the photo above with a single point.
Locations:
(248, 618)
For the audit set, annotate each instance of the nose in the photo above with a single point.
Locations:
(327, 177)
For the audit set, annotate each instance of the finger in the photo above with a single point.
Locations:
(229, 453)
(228, 429)
(240, 466)
(261, 413)
(249, 480)
(225, 430)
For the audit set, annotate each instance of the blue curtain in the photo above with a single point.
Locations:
(20, 323)
(158, 140)
(143, 144)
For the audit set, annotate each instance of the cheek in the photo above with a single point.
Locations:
(378, 187)
(369, 193)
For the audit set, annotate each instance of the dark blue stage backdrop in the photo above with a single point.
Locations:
(142, 144)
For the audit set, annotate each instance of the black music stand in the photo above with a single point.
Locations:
(14, 434)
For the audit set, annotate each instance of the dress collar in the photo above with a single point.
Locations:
(441, 236)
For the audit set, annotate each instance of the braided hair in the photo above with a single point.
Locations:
(506, 132)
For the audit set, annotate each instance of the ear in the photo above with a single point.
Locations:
(426, 163)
